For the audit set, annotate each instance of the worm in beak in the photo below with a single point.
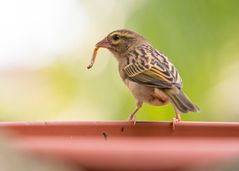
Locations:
(104, 44)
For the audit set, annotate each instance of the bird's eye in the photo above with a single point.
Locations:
(115, 37)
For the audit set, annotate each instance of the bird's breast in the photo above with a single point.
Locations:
(139, 91)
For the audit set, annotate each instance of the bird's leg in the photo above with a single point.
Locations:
(132, 116)
(177, 119)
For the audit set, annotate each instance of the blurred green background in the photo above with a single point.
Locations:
(46, 46)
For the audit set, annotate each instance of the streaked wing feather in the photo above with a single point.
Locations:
(156, 72)
(151, 77)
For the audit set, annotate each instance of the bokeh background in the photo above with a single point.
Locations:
(46, 45)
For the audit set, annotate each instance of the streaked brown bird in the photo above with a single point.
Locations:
(148, 74)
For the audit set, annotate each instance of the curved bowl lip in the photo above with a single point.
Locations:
(141, 128)
(120, 145)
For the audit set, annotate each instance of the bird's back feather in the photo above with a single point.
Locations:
(147, 66)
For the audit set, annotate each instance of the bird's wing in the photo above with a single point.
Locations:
(149, 67)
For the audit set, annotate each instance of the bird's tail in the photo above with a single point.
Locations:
(181, 101)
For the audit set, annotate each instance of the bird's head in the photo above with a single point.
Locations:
(120, 41)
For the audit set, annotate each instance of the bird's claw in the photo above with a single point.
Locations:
(132, 118)
(174, 122)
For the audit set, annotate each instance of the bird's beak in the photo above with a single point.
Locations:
(103, 43)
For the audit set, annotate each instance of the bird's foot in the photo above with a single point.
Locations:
(174, 122)
(132, 118)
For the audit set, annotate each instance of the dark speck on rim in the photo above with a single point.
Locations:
(104, 135)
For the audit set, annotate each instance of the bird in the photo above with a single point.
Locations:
(147, 73)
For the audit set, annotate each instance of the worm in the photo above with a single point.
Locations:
(93, 58)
